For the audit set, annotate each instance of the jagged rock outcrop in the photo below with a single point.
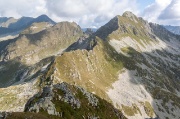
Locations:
(68, 101)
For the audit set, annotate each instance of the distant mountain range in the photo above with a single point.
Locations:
(15, 26)
(92, 29)
(173, 29)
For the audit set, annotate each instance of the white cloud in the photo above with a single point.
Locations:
(89, 13)
(163, 12)
(18, 8)
(152, 12)
(172, 11)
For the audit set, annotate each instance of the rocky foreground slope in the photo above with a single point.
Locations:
(128, 62)
(66, 101)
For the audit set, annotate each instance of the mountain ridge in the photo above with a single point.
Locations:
(130, 63)
(29, 49)
(17, 25)
(173, 29)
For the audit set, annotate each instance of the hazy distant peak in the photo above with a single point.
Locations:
(44, 18)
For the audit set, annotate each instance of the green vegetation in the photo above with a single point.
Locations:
(130, 51)
(93, 67)
(131, 110)
(129, 28)
(104, 110)
(148, 109)
(94, 70)
(26, 115)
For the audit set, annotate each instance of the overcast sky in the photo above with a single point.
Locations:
(93, 13)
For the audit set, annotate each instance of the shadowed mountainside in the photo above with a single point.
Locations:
(28, 49)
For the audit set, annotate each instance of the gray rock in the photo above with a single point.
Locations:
(91, 98)
(1, 116)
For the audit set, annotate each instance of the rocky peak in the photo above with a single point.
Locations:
(124, 25)
(44, 18)
(130, 16)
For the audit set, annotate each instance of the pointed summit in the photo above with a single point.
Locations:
(130, 15)
(125, 25)
(44, 18)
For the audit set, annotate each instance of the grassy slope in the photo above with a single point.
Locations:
(94, 70)
(36, 27)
